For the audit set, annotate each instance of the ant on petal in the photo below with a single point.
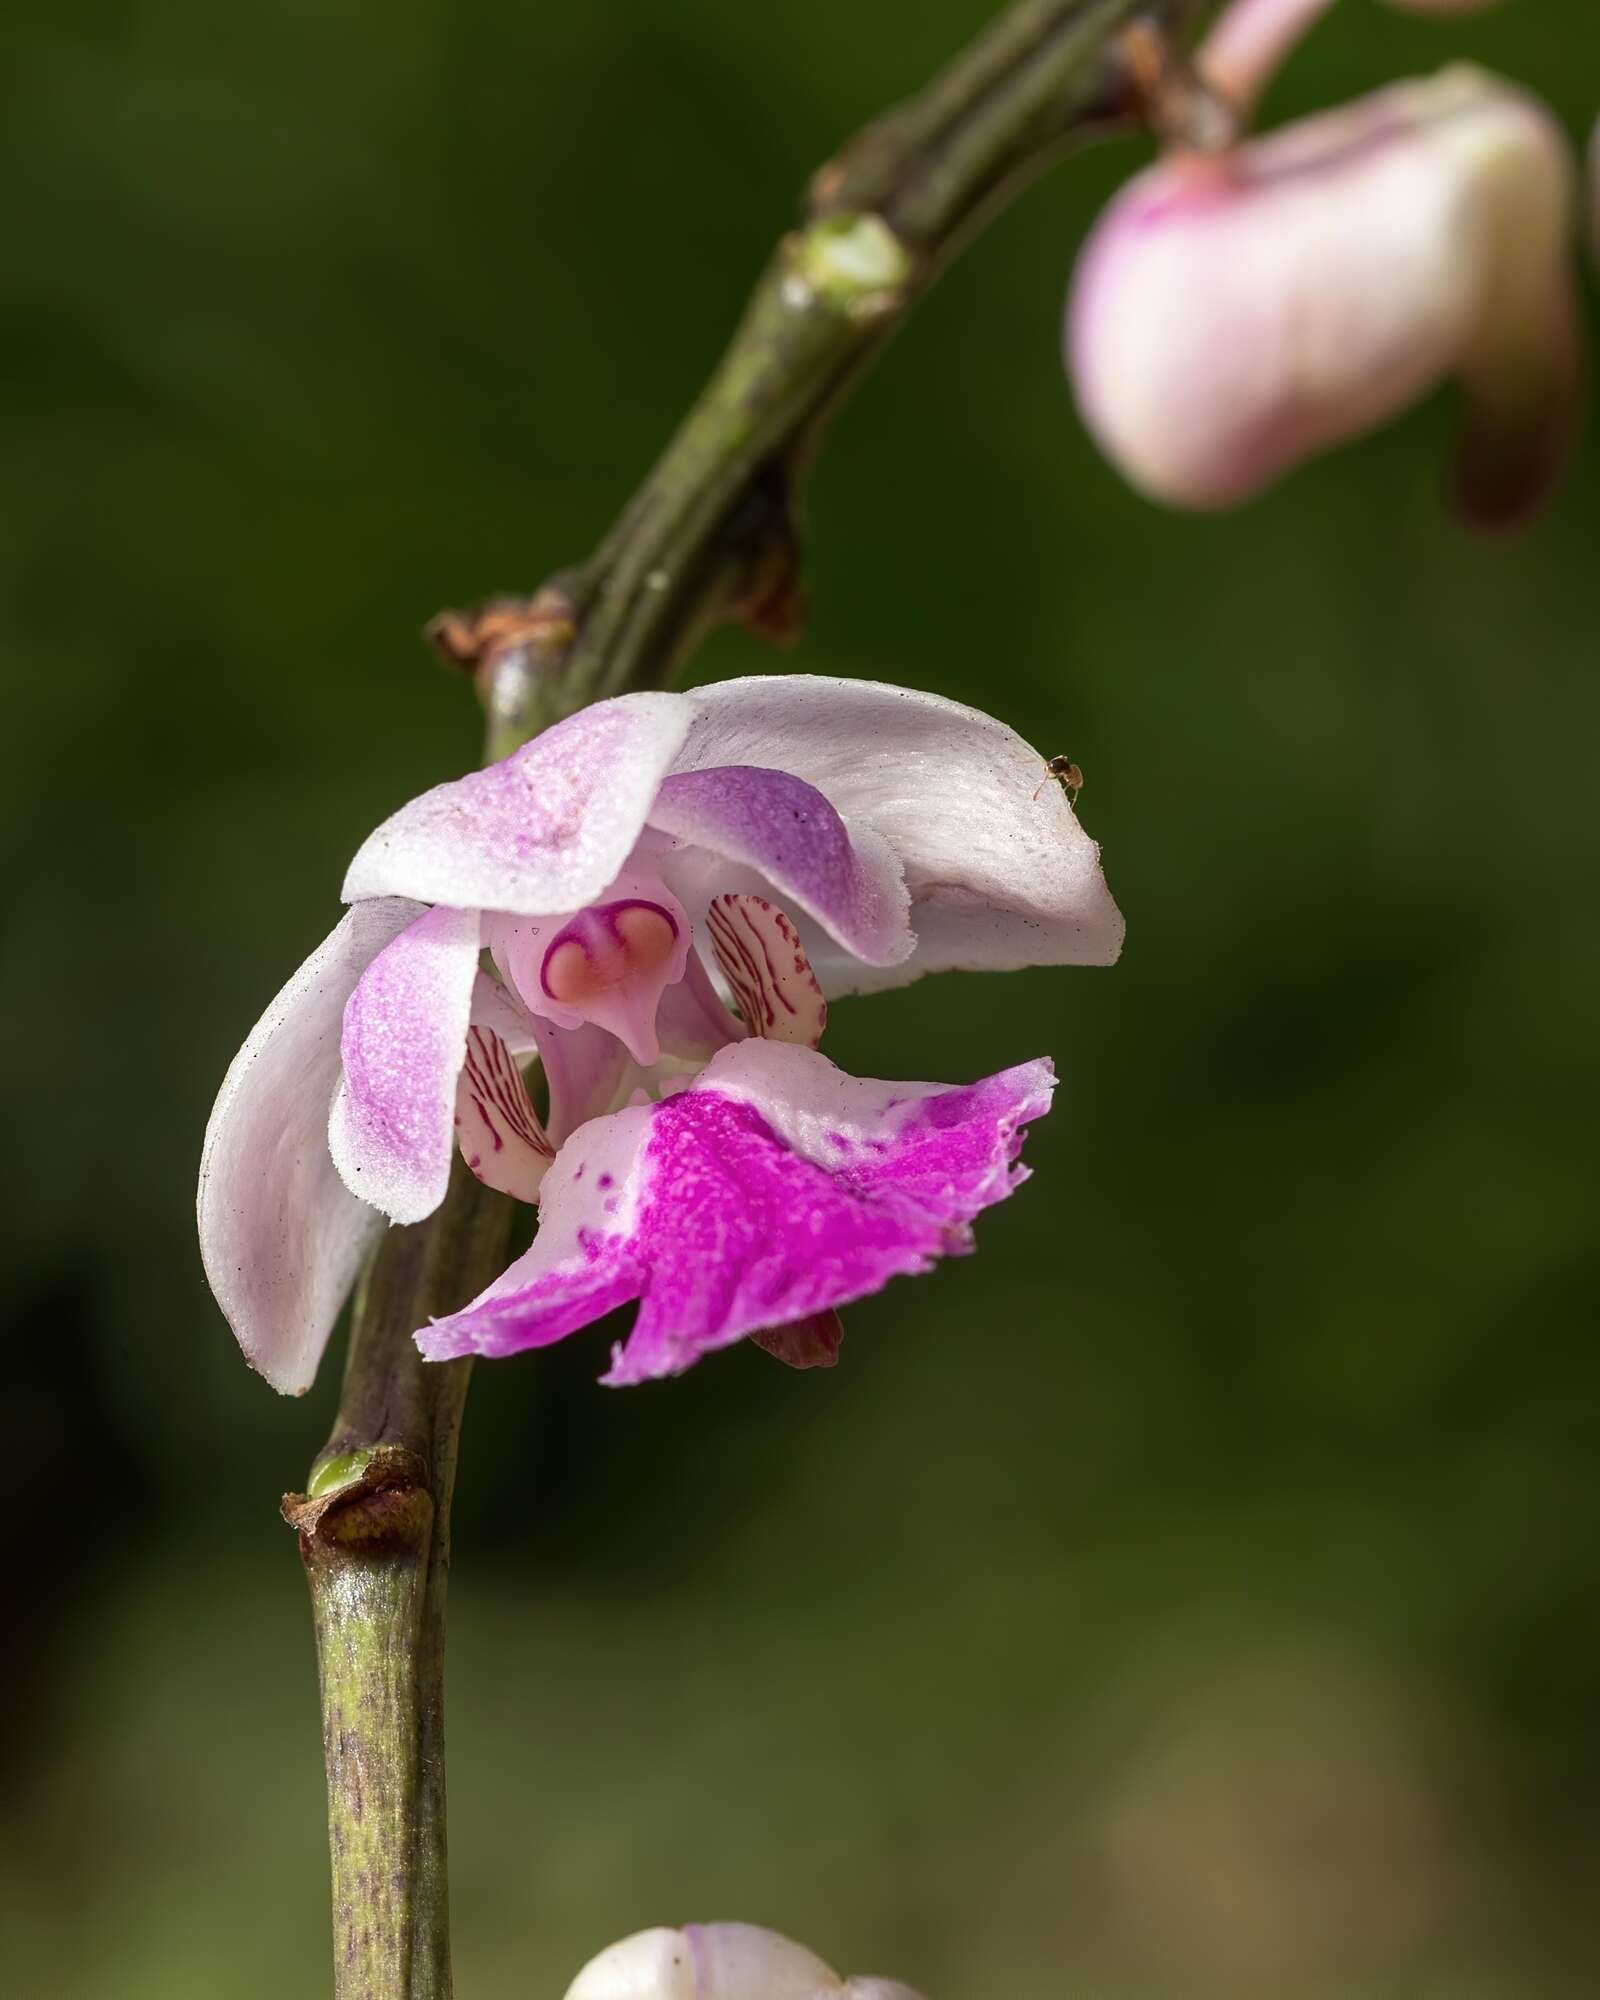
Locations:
(1066, 774)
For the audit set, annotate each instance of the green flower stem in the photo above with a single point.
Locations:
(709, 537)
(374, 1529)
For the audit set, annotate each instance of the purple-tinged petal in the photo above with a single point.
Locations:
(766, 967)
(405, 1030)
(497, 1128)
(775, 1188)
(847, 879)
(543, 831)
(280, 1236)
(998, 879)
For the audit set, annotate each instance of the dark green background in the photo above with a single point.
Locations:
(1195, 1593)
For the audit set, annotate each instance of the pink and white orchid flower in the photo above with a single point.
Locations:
(789, 837)
(1234, 313)
(720, 1962)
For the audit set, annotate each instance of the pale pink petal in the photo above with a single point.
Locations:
(774, 1188)
(587, 1073)
(706, 1962)
(497, 1128)
(847, 879)
(1249, 40)
(998, 878)
(280, 1236)
(405, 1030)
(741, 1960)
(692, 1022)
(543, 831)
(766, 967)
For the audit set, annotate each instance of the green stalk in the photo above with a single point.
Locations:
(374, 1529)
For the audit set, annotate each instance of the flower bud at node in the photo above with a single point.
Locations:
(1230, 317)
(855, 263)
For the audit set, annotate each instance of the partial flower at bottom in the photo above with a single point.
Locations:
(658, 898)
(720, 1962)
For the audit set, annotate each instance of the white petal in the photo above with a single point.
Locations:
(497, 1128)
(540, 833)
(280, 1236)
(766, 967)
(999, 878)
(705, 1962)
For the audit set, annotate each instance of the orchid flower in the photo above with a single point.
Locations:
(658, 897)
(1234, 312)
(720, 1962)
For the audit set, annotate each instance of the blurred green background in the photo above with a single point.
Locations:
(1194, 1594)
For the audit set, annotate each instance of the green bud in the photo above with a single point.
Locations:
(343, 1469)
(855, 262)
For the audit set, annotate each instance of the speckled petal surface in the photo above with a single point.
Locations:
(998, 877)
(540, 833)
(280, 1235)
(391, 1129)
(775, 1187)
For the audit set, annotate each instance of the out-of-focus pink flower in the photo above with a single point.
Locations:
(1232, 314)
(630, 877)
(720, 1962)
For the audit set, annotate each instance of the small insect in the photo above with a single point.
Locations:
(1066, 774)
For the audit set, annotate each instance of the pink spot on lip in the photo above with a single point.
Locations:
(600, 935)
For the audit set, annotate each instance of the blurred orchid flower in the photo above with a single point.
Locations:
(1233, 313)
(720, 1962)
(626, 875)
